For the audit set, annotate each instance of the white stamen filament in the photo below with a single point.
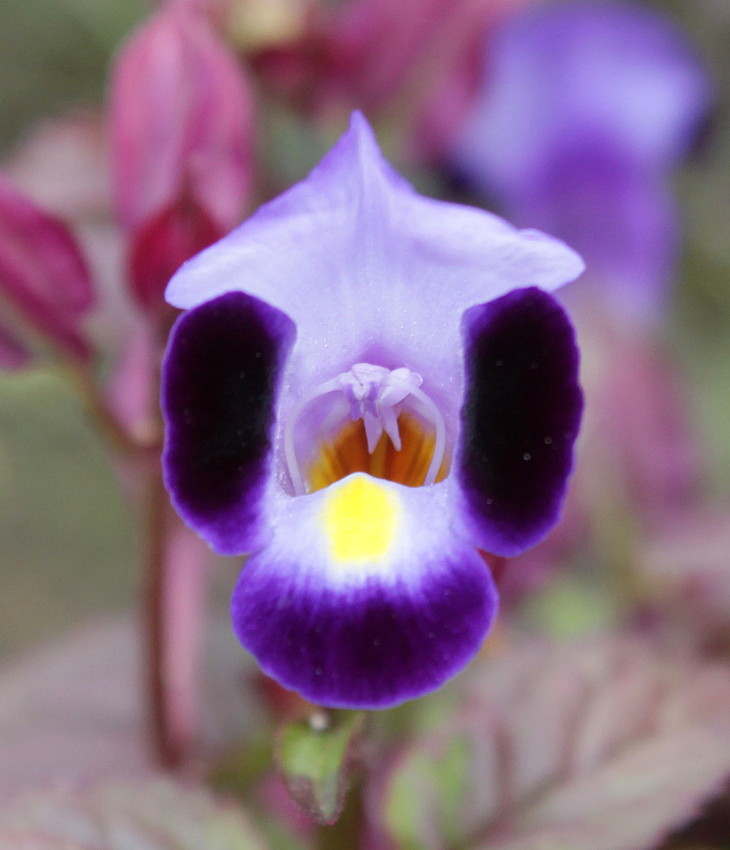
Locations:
(388, 421)
(289, 450)
(433, 414)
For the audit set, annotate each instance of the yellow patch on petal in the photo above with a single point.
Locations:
(361, 520)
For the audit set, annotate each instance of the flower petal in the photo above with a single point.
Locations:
(220, 382)
(359, 260)
(520, 419)
(364, 597)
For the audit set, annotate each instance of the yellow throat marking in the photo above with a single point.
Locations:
(361, 518)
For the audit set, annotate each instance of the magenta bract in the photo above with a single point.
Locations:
(181, 114)
(42, 270)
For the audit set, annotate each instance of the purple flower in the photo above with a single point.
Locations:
(585, 109)
(369, 386)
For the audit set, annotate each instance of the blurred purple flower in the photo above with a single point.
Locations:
(586, 107)
(363, 394)
(43, 276)
(182, 143)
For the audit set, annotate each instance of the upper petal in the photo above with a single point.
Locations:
(220, 382)
(359, 260)
(520, 417)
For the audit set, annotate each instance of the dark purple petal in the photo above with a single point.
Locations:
(520, 418)
(220, 383)
(368, 633)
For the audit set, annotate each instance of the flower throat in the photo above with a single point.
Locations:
(382, 439)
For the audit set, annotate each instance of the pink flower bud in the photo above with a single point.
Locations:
(42, 271)
(181, 121)
(163, 243)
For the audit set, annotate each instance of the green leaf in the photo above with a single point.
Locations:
(316, 758)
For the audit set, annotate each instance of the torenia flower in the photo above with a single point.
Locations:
(369, 387)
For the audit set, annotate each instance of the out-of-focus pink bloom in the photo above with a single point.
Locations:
(181, 121)
(43, 274)
(639, 401)
(131, 389)
(63, 164)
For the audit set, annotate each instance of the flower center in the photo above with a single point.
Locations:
(375, 397)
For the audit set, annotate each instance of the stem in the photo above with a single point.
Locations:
(174, 561)
(111, 430)
(167, 750)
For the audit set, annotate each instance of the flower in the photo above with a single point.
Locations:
(585, 110)
(369, 387)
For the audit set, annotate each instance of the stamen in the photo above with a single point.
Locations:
(289, 450)
(433, 414)
(374, 394)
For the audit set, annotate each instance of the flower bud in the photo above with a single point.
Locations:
(163, 243)
(43, 274)
(181, 116)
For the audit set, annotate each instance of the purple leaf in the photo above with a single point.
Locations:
(73, 713)
(685, 573)
(158, 815)
(608, 745)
